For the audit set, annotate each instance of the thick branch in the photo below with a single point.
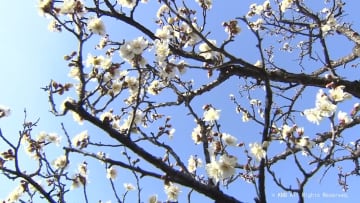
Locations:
(172, 174)
(280, 75)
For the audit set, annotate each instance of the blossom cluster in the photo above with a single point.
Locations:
(326, 105)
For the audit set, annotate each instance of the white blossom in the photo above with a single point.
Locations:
(206, 4)
(172, 191)
(81, 140)
(193, 163)
(257, 150)
(60, 162)
(15, 195)
(127, 3)
(229, 139)
(206, 51)
(162, 9)
(111, 173)
(96, 25)
(154, 88)
(72, 6)
(162, 49)
(153, 199)
(196, 134)
(285, 4)
(337, 94)
(305, 142)
(344, 118)
(129, 186)
(211, 114)
(4, 111)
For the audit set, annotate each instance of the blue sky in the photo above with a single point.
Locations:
(31, 56)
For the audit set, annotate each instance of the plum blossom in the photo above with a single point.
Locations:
(305, 142)
(172, 191)
(111, 173)
(329, 25)
(162, 50)
(164, 32)
(129, 186)
(155, 87)
(196, 134)
(227, 166)
(287, 131)
(153, 199)
(162, 10)
(258, 151)
(213, 171)
(45, 6)
(211, 115)
(344, 118)
(221, 169)
(48, 137)
(232, 27)
(60, 162)
(323, 107)
(206, 50)
(337, 94)
(131, 51)
(193, 163)
(96, 25)
(72, 6)
(313, 115)
(229, 139)
(15, 195)
(127, 3)
(206, 4)
(285, 4)
(4, 111)
(81, 140)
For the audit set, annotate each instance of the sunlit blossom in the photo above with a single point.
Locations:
(337, 94)
(213, 171)
(111, 173)
(162, 49)
(127, 3)
(129, 186)
(162, 10)
(286, 131)
(15, 195)
(96, 25)
(83, 169)
(313, 115)
(229, 139)
(193, 163)
(325, 107)
(227, 166)
(81, 140)
(153, 199)
(258, 151)
(344, 118)
(77, 118)
(196, 134)
(285, 4)
(211, 114)
(206, 4)
(206, 51)
(45, 6)
(60, 162)
(4, 111)
(172, 191)
(305, 141)
(72, 6)
(222, 168)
